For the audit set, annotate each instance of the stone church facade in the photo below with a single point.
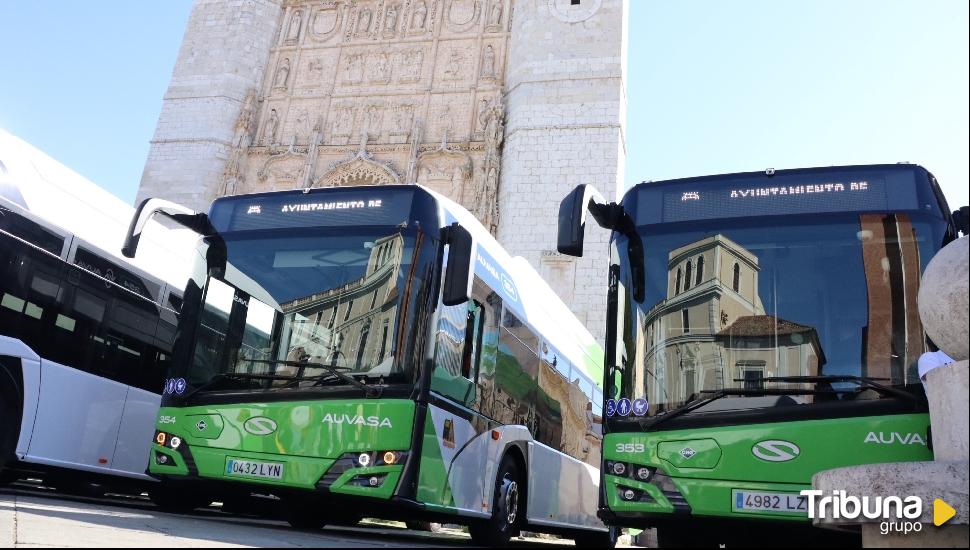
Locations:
(502, 105)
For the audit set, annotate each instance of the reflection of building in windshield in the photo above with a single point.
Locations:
(893, 337)
(351, 325)
(712, 332)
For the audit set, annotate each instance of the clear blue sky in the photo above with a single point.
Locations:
(712, 86)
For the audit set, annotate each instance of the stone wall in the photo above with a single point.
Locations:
(502, 105)
(565, 126)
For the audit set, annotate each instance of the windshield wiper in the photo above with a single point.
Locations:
(332, 369)
(221, 376)
(719, 394)
(863, 383)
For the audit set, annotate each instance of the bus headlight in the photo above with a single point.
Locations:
(643, 473)
(175, 442)
(363, 459)
(619, 468)
(390, 457)
(161, 438)
(629, 494)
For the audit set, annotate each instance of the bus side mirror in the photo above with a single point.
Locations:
(176, 212)
(572, 218)
(461, 257)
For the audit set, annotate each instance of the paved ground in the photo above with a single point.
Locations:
(35, 518)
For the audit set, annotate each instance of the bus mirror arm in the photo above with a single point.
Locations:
(148, 208)
(608, 215)
(457, 287)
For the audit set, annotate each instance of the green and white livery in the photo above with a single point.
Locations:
(761, 327)
(373, 351)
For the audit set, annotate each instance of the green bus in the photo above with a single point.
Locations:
(373, 351)
(762, 327)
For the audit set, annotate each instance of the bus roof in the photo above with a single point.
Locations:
(32, 181)
(533, 300)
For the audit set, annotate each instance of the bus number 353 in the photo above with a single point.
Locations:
(630, 447)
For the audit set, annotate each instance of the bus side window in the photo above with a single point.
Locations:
(29, 292)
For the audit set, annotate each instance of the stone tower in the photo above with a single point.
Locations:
(502, 105)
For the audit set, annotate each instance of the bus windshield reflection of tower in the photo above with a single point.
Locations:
(712, 331)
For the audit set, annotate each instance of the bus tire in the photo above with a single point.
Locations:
(10, 404)
(598, 539)
(177, 500)
(506, 507)
(304, 514)
(683, 536)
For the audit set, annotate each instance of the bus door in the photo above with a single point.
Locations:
(454, 451)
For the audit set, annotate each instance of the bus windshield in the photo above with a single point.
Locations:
(305, 308)
(734, 302)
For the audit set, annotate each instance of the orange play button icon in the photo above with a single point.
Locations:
(942, 512)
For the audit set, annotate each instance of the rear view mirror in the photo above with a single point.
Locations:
(572, 218)
(176, 212)
(458, 275)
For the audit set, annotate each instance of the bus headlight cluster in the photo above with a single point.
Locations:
(168, 440)
(379, 458)
(632, 471)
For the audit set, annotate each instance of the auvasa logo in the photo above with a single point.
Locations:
(895, 438)
(356, 420)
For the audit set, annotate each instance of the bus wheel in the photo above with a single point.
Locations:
(506, 508)
(304, 514)
(681, 536)
(9, 409)
(598, 539)
(177, 500)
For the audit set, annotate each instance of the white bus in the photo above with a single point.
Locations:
(373, 351)
(85, 334)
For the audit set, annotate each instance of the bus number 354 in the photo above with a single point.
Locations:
(630, 447)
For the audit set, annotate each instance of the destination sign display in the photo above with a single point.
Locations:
(358, 206)
(782, 194)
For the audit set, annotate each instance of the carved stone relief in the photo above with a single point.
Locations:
(399, 98)
(270, 128)
(418, 21)
(354, 68)
(488, 63)
(370, 125)
(326, 22)
(401, 123)
(463, 15)
(342, 124)
(294, 27)
(411, 63)
(282, 170)
(445, 170)
(242, 138)
(486, 203)
(282, 76)
(493, 23)
(454, 65)
(361, 169)
(391, 15)
(378, 68)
